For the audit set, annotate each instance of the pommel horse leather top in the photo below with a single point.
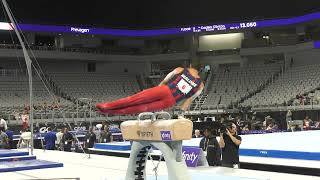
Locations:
(157, 130)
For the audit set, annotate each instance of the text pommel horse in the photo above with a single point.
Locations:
(165, 135)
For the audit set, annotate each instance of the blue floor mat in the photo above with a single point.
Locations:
(9, 153)
(27, 165)
(17, 158)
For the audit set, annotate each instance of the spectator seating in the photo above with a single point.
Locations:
(99, 87)
(231, 84)
(294, 81)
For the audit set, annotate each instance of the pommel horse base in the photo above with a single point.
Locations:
(165, 135)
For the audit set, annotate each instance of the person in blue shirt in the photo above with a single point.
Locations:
(50, 139)
(10, 138)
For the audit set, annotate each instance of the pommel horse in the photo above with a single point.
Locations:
(166, 135)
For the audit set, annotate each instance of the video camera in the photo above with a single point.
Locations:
(224, 126)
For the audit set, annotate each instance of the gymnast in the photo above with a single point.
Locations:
(182, 85)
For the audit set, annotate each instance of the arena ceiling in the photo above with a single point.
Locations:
(148, 14)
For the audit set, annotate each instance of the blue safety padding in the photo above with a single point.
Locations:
(280, 154)
(113, 146)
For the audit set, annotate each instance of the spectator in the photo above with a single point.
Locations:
(230, 142)
(3, 139)
(289, 116)
(239, 123)
(300, 98)
(10, 138)
(25, 138)
(25, 120)
(59, 136)
(3, 123)
(246, 128)
(267, 121)
(270, 127)
(98, 131)
(275, 126)
(197, 134)
(67, 140)
(306, 125)
(211, 148)
(104, 123)
(307, 122)
(106, 135)
(90, 138)
(50, 139)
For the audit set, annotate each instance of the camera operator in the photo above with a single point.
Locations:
(230, 142)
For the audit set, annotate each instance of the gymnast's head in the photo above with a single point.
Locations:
(199, 68)
(192, 65)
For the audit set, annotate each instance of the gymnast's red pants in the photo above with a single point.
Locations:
(153, 99)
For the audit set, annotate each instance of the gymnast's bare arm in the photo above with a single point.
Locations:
(186, 104)
(170, 75)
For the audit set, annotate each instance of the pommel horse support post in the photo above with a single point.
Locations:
(165, 135)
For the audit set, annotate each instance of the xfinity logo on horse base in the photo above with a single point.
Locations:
(80, 30)
(191, 155)
(165, 135)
